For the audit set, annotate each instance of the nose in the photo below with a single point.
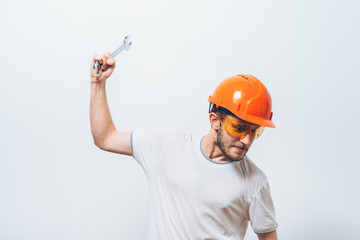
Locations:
(246, 140)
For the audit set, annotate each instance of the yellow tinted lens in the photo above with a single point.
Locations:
(233, 132)
(259, 132)
(241, 130)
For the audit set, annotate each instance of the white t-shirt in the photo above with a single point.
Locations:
(193, 197)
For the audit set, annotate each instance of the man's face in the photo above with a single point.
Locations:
(234, 148)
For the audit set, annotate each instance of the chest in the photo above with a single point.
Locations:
(185, 175)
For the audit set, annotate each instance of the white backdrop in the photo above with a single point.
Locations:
(56, 184)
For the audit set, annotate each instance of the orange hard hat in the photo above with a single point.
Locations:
(246, 97)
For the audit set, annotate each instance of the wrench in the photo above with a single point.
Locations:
(125, 46)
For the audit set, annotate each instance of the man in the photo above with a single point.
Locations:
(200, 188)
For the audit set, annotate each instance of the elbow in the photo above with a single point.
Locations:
(99, 144)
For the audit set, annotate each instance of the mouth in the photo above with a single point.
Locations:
(239, 149)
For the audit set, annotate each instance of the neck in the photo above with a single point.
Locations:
(211, 148)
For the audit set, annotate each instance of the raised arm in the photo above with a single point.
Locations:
(105, 135)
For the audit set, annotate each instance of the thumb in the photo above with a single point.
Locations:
(111, 62)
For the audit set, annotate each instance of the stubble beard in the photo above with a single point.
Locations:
(222, 145)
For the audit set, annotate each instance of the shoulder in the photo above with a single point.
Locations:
(255, 178)
(151, 143)
(171, 134)
(252, 171)
(181, 135)
(161, 135)
(153, 133)
(180, 139)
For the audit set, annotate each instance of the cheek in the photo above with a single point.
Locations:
(226, 139)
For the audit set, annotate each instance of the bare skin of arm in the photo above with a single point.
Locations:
(105, 135)
(269, 236)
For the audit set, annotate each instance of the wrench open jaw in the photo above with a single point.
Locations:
(125, 46)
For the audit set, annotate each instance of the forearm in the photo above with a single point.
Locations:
(269, 236)
(100, 117)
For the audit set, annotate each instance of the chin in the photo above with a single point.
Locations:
(237, 156)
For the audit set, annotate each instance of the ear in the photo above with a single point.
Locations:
(214, 121)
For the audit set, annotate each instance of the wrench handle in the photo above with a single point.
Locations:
(97, 64)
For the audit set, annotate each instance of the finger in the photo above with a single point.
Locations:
(108, 54)
(105, 57)
(110, 65)
(108, 57)
(110, 62)
(97, 58)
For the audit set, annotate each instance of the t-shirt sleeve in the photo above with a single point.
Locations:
(262, 212)
(147, 147)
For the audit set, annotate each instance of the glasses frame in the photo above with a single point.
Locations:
(246, 127)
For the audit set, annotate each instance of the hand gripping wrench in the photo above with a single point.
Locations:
(125, 46)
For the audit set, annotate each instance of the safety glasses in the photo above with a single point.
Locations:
(239, 129)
